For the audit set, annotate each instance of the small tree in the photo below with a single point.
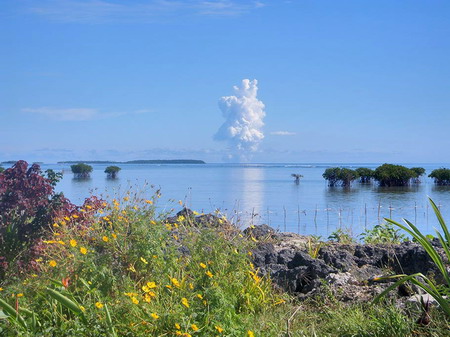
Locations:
(331, 174)
(365, 174)
(393, 175)
(418, 172)
(81, 170)
(112, 171)
(340, 176)
(297, 177)
(441, 176)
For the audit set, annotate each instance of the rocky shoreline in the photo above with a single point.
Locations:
(349, 271)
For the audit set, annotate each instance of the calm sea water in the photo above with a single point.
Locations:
(266, 193)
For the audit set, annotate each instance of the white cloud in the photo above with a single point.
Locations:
(73, 114)
(104, 11)
(282, 133)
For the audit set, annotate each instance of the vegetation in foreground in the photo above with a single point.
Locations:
(123, 269)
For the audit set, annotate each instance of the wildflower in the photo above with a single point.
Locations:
(250, 253)
(55, 225)
(154, 315)
(180, 202)
(153, 222)
(130, 294)
(19, 295)
(73, 243)
(135, 208)
(175, 282)
(131, 268)
(114, 236)
(181, 218)
(88, 206)
(185, 302)
(124, 212)
(177, 326)
(168, 286)
(83, 309)
(195, 213)
(66, 218)
(83, 250)
(250, 333)
(218, 328)
(200, 296)
(168, 226)
(99, 305)
(52, 263)
(203, 265)
(148, 296)
(253, 239)
(148, 286)
(105, 238)
(149, 202)
(62, 243)
(82, 210)
(126, 198)
(134, 300)
(144, 260)
(194, 327)
(191, 286)
(63, 223)
(179, 333)
(209, 274)
(75, 216)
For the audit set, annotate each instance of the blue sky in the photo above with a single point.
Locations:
(341, 81)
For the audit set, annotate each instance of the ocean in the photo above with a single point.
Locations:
(266, 193)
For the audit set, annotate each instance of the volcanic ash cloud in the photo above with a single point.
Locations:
(244, 115)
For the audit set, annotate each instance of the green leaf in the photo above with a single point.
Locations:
(66, 302)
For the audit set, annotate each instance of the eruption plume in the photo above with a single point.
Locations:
(244, 115)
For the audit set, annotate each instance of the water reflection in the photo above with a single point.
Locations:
(252, 198)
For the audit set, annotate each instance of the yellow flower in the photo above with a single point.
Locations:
(194, 327)
(191, 286)
(134, 300)
(179, 333)
(83, 250)
(154, 315)
(253, 239)
(99, 305)
(153, 222)
(55, 225)
(203, 265)
(175, 282)
(66, 218)
(209, 274)
(114, 236)
(185, 302)
(149, 202)
(75, 216)
(83, 309)
(200, 296)
(52, 263)
(131, 268)
(1, 289)
(126, 198)
(73, 243)
(105, 238)
(63, 222)
(61, 242)
(19, 295)
(177, 326)
(144, 260)
(250, 333)
(219, 329)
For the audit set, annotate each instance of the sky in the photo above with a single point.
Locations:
(339, 81)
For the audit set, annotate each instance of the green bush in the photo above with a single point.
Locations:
(365, 174)
(383, 233)
(393, 175)
(340, 176)
(81, 170)
(441, 176)
(112, 171)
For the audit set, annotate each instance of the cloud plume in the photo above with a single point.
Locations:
(244, 115)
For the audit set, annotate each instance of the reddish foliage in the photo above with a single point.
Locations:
(28, 205)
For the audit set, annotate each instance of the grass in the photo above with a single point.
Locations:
(130, 273)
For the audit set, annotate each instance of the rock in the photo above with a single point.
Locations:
(261, 232)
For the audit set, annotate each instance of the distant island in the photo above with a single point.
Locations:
(157, 161)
